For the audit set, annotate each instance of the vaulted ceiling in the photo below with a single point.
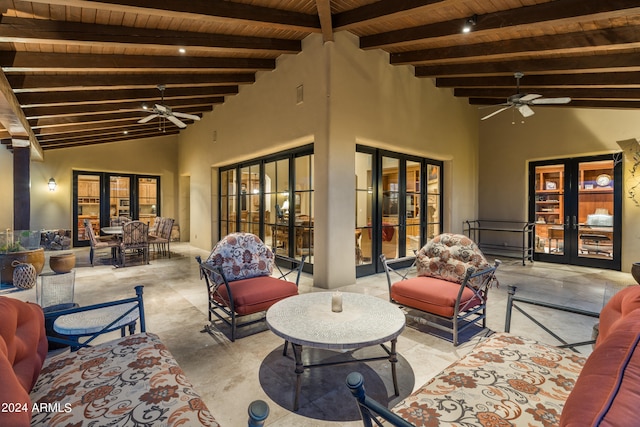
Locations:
(78, 72)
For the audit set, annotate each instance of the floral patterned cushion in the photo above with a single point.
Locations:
(241, 256)
(505, 381)
(132, 381)
(448, 256)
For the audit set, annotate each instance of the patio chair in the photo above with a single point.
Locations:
(161, 240)
(135, 239)
(238, 275)
(100, 242)
(451, 287)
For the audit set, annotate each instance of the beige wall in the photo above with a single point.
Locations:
(50, 210)
(552, 133)
(350, 96)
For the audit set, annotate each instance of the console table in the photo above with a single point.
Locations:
(486, 233)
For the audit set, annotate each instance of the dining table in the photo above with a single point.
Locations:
(112, 231)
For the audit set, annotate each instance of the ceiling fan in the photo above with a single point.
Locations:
(522, 101)
(165, 112)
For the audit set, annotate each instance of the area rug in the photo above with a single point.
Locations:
(324, 394)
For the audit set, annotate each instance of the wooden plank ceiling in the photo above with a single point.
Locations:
(81, 70)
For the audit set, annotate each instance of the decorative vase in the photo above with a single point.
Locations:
(635, 271)
(34, 257)
(62, 263)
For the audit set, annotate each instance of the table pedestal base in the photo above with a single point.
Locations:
(392, 356)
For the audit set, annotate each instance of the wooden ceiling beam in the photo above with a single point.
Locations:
(83, 135)
(99, 137)
(68, 110)
(82, 81)
(567, 65)
(575, 103)
(608, 40)
(324, 13)
(384, 10)
(76, 62)
(102, 117)
(122, 138)
(619, 79)
(555, 12)
(204, 10)
(121, 95)
(24, 30)
(95, 127)
(604, 93)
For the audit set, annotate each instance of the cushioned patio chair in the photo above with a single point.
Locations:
(238, 275)
(452, 283)
(161, 239)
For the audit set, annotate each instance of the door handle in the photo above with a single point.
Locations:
(567, 223)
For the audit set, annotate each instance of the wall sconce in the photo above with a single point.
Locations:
(469, 24)
(52, 184)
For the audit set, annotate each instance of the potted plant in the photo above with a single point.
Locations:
(20, 245)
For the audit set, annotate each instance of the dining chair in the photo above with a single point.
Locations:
(162, 238)
(107, 242)
(135, 239)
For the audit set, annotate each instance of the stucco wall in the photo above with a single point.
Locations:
(153, 156)
(552, 133)
(350, 96)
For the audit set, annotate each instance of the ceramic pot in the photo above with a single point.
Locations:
(62, 263)
(635, 271)
(34, 257)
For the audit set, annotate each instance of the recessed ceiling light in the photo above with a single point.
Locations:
(126, 132)
(469, 24)
(182, 50)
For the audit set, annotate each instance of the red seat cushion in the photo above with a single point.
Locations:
(614, 312)
(256, 294)
(432, 295)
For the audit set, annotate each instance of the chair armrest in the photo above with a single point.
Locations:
(369, 408)
(294, 267)
(138, 304)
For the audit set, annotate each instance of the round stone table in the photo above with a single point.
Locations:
(307, 320)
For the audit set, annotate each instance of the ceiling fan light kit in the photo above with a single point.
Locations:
(523, 101)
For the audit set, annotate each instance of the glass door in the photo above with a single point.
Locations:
(119, 199)
(148, 199)
(86, 206)
(577, 211)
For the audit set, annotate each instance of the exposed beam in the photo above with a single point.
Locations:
(121, 95)
(23, 30)
(60, 121)
(47, 139)
(619, 79)
(83, 109)
(568, 65)
(122, 138)
(556, 12)
(605, 93)
(28, 61)
(83, 81)
(100, 138)
(575, 103)
(94, 127)
(597, 40)
(13, 119)
(384, 10)
(324, 13)
(207, 10)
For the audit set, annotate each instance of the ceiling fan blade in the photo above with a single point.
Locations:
(163, 108)
(186, 116)
(525, 110)
(176, 122)
(529, 97)
(148, 118)
(495, 112)
(561, 100)
(494, 105)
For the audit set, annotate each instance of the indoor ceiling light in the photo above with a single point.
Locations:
(469, 24)
(182, 50)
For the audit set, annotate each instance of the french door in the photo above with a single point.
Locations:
(398, 206)
(576, 205)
